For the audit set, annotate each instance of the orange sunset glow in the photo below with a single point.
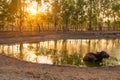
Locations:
(34, 9)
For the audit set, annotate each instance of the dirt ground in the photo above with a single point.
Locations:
(14, 37)
(13, 69)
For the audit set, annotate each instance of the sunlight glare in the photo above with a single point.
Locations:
(32, 8)
(33, 11)
(43, 8)
(44, 59)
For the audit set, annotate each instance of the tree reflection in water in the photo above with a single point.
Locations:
(67, 52)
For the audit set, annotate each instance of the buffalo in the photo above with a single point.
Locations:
(95, 57)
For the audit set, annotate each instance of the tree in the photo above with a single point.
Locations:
(116, 14)
(8, 11)
(90, 13)
(79, 17)
(3, 12)
(66, 11)
(55, 8)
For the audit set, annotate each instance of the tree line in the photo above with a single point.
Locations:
(65, 15)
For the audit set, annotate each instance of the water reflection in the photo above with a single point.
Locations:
(63, 51)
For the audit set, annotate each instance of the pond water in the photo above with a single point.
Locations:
(64, 52)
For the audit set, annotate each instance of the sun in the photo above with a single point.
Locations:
(32, 8)
(32, 11)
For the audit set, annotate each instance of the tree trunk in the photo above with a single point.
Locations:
(90, 17)
(55, 14)
(114, 26)
(20, 17)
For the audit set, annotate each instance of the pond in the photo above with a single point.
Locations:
(64, 52)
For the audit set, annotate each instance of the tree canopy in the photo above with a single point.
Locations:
(80, 14)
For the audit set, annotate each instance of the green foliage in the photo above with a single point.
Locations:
(84, 13)
(8, 10)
